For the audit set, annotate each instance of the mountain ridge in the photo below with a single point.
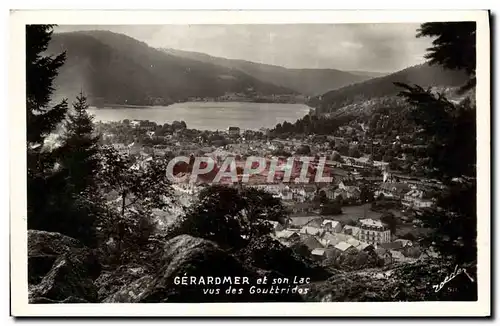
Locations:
(308, 81)
(424, 75)
(115, 68)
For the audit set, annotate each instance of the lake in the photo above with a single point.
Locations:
(210, 115)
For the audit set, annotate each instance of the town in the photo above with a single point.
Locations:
(367, 209)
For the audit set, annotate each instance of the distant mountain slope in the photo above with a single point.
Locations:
(306, 81)
(117, 69)
(423, 75)
(368, 74)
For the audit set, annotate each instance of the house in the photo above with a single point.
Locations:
(316, 222)
(325, 243)
(331, 225)
(343, 246)
(147, 125)
(340, 236)
(351, 230)
(300, 221)
(233, 131)
(301, 208)
(309, 191)
(330, 239)
(384, 255)
(353, 242)
(318, 253)
(415, 198)
(329, 192)
(311, 242)
(394, 190)
(397, 256)
(363, 246)
(347, 182)
(288, 235)
(299, 195)
(350, 192)
(373, 232)
(404, 242)
(310, 230)
(359, 245)
(277, 226)
(286, 194)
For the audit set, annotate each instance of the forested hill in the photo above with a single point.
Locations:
(305, 81)
(114, 68)
(383, 87)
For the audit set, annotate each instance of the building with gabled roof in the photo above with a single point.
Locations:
(351, 230)
(310, 230)
(311, 242)
(343, 246)
(331, 225)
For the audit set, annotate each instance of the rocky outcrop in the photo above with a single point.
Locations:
(404, 282)
(67, 278)
(192, 258)
(60, 269)
(43, 249)
(109, 282)
(131, 292)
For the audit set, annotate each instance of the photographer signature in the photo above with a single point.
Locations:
(456, 272)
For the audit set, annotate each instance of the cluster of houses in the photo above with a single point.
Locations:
(410, 194)
(325, 236)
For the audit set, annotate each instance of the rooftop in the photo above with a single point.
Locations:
(371, 223)
(343, 246)
(285, 234)
(334, 223)
(318, 252)
(311, 230)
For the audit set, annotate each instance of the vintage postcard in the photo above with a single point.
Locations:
(250, 163)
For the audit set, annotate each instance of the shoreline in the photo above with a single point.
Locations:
(148, 106)
(194, 114)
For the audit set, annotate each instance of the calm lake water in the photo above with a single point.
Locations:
(210, 116)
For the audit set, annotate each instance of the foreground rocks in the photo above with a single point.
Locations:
(194, 257)
(405, 282)
(43, 249)
(60, 269)
(67, 278)
(110, 282)
(132, 292)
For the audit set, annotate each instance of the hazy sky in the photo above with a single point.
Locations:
(369, 47)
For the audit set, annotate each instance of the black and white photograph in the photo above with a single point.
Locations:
(251, 162)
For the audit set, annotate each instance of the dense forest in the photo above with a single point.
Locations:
(424, 75)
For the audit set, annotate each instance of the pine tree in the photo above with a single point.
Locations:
(454, 47)
(80, 148)
(450, 133)
(43, 180)
(40, 74)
